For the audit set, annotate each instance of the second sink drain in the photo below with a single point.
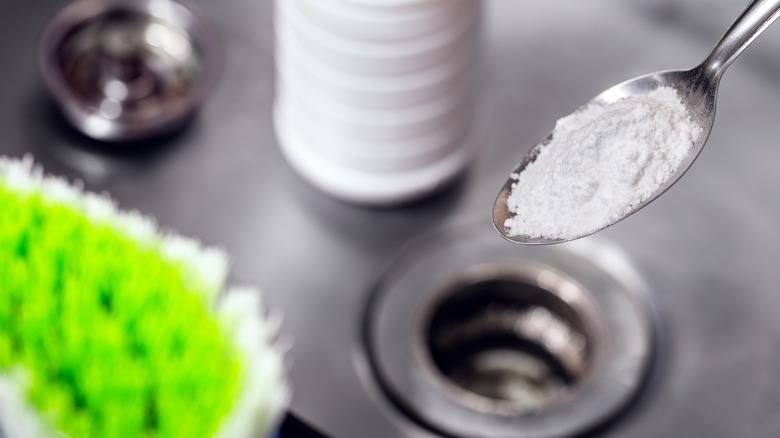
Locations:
(474, 336)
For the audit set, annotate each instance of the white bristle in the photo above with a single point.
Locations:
(265, 392)
(208, 266)
(99, 208)
(18, 419)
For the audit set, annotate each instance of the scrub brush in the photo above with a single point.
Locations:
(111, 328)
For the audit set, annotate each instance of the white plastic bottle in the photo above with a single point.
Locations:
(376, 99)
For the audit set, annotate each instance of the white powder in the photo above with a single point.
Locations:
(602, 161)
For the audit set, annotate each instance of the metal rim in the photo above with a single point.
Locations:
(403, 301)
(177, 12)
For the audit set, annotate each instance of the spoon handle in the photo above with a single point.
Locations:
(754, 20)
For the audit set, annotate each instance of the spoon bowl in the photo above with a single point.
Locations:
(697, 88)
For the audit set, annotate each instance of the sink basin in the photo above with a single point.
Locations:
(707, 249)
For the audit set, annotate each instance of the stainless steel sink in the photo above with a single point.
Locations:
(707, 250)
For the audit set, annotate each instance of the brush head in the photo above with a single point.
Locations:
(109, 327)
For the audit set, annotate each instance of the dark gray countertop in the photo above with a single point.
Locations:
(708, 248)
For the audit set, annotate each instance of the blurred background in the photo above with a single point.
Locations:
(706, 251)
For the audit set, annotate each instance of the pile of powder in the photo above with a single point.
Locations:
(602, 161)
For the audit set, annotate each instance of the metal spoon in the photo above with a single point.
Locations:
(698, 89)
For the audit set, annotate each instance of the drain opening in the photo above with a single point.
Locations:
(505, 343)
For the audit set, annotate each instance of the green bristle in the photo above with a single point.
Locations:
(115, 339)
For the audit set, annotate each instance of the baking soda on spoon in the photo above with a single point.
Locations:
(601, 162)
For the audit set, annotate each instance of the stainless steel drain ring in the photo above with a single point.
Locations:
(611, 307)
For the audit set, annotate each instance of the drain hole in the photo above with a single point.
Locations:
(509, 341)
(503, 367)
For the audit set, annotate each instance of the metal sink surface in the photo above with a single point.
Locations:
(708, 249)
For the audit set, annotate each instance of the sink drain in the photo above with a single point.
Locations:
(508, 344)
(474, 336)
